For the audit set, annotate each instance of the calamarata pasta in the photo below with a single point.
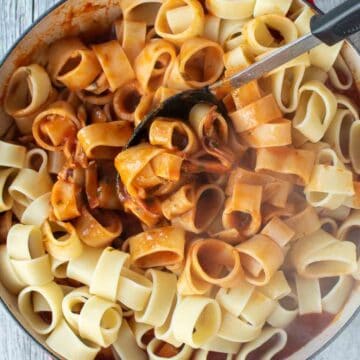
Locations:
(213, 238)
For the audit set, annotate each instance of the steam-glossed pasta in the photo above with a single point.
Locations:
(209, 239)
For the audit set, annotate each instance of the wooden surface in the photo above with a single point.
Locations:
(15, 17)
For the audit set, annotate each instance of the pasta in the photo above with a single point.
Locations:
(216, 235)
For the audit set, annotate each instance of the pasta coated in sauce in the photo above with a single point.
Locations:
(209, 238)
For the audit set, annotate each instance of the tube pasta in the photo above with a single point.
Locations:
(12, 155)
(316, 110)
(55, 127)
(259, 268)
(38, 211)
(8, 276)
(161, 298)
(52, 295)
(270, 7)
(76, 348)
(154, 73)
(335, 299)
(277, 287)
(353, 150)
(173, 134)
(64, 247)
(278, 231)
(141, 10)
(171, 24)
(343, 81)
(339, 136)
(196, 320)
(266, 336)
(27, 81)
(118, 71)
(104, 140)
(132, 36)
(126, 100)
(156, 348)
(286, 82)
(259, 37)
(326, 256)
(309, 295)
(58, 268)
(6, 178)
(158, 247)
(287, 160)
(200, 61)
(125, 345)
(285, 312)
(98, 229)
(348, 231)
(242, 209)
(260, 112)
(236, 10)
(211, 27)
(217, 344)
(27, 255)
(338, 186)
(64, 200)
(98, 321)
(209, 196)
(143, 333)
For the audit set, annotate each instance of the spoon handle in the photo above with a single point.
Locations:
(338, 23)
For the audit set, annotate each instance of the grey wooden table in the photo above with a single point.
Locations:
(15, 17)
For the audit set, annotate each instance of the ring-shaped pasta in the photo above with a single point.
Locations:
(326, 256)
(12, 155)
(59, 54)
(64, 200)
(154, 73)
(141, 10)
(54, 127)
(8, 276)
(116, 68)
(196, 320)
(207, 202)
(294, 165)
(98, 229)
(179, 20)
(316, 110)
(231, 9)
(27, 255)
(209, 259)
(276, 337)
(259, 266)
(52, 295)
(336, 180)
(257, 33)
(126, 99)
(27, 82)
(6, 178)
(173, 134)
(286, 81)
(104, 140)
(75, 347)
(61, 241)
(158, 350)
(339, 135)
(200, 61)
(134, 290)
(161, 298)
(163, 246)
(242, 209)
(100, 321)
(79, 70)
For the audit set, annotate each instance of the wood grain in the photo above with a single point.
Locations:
(15, 17)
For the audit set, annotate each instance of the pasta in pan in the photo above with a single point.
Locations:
(215, 236)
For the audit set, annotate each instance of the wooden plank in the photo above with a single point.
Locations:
(15, 17)
(40, 6)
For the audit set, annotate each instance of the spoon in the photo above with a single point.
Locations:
(330, 28)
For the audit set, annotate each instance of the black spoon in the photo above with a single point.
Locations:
(330, 28)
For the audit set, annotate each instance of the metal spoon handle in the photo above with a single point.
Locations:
(329, 28)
